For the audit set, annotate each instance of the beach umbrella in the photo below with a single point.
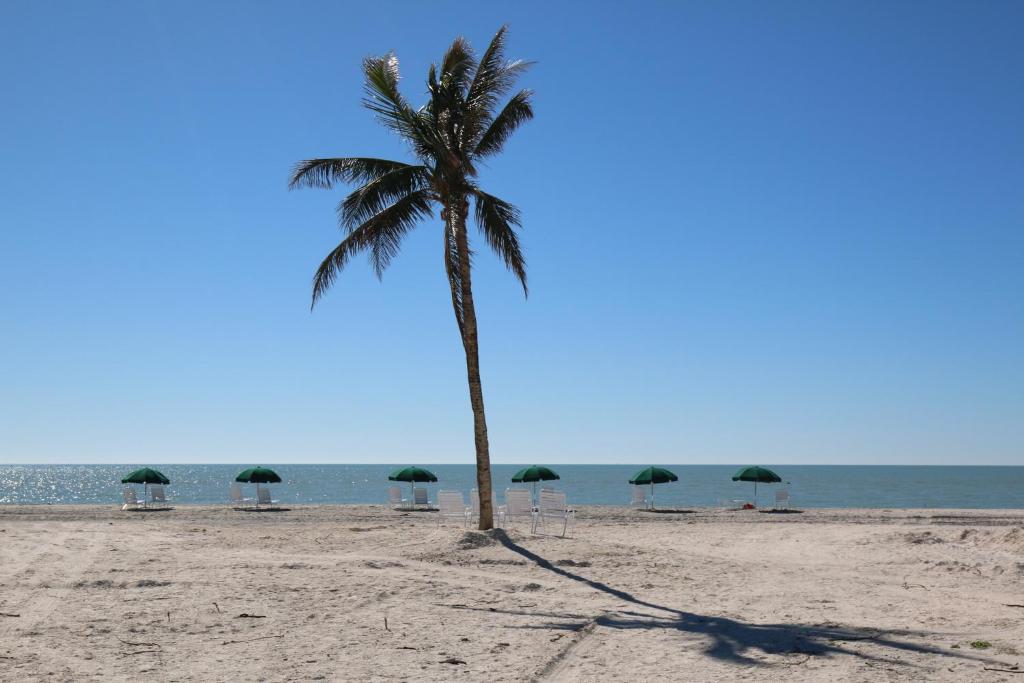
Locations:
(146, 476)
(535, 473)
(412, 475)
(653, 475)
(258, 475)
(756, 474)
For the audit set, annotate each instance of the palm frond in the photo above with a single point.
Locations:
(381, 235)
(393, 111)
(498, 220)
(516, 112)
(458, 66)
(494, 77)
(370, 199)
(324, 173)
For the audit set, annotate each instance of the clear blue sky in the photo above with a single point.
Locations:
(774, 232)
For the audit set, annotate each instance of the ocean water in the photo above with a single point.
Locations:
(699, 485)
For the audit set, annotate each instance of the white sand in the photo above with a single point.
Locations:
(851, 595)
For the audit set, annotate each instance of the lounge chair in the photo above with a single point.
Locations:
(451, 505)
(518, 503)
(639, 497)
(156, 494)
(235, 495)
(552, 506)
(131, 502)
(263, 498)
(395, 499)
(782, 499)
(419, 497)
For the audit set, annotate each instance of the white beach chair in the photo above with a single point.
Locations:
(518, 503)
(263, 498)
(157, 495)
(419, 497)
(395, 499)
(552, 506)
(451, 505)
(782, 499)
(235, 496)
(639, 497)
(131, 502)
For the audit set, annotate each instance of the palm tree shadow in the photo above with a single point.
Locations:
(731, 640)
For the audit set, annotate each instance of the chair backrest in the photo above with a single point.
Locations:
(235, 493)
(451, 503)
(157, 491)
(552, 501)
(419, 496)
(129, 496)
(782, 496)
(394, 495)
(639, 495)
(518, 502)
(264, 496)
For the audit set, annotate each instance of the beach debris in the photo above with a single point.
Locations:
(532, 587)
(151, 647)
(218, 607)
(471, 540)
(908, 586)
(246, 615)
(9, 614)
(981, 644)
(572, 563)
(1010, 604)
(1015, 669)
(134, 644)
(923, 537)
(250, 640)
(382, 564)
(386, 623)
(452, 660)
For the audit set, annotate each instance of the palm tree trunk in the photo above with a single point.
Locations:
(457, 225)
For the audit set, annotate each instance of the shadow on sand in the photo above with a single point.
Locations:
(730, 640)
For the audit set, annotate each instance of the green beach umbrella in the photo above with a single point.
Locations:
(653, 475)
(258, 475)
(756, 474)
(146, 476)
(412, 474)
(535, 473)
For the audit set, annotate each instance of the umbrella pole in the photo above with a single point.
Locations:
(257, 494)
(412, 496)
(652, 492)
(755, 494)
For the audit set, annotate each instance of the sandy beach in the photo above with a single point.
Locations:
(365, 593)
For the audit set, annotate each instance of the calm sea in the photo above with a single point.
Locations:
(698, 485)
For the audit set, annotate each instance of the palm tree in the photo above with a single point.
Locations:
(459, 125)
